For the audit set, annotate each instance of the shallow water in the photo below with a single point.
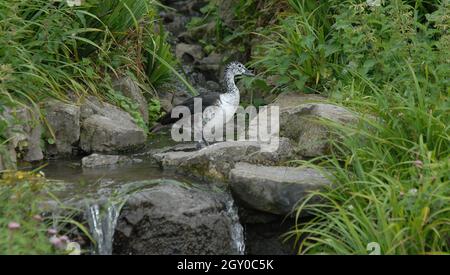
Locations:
(101, 190)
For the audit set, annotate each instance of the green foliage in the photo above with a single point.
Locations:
(391, 181)
(157, 48)
(391, 170)
(129, 106)
(154, 111)
(316, 45)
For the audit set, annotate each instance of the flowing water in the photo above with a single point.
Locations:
(102, 222)
(102, 192)
(236, 230)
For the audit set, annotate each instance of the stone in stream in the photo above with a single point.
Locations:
(107, 128)
(171, 219)
(64, 121)
(97, 160)
(214, 162)
(274, 189)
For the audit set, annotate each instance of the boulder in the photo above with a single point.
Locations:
(104, 134)
(171, 219)
(274, 189)
(302, 121)
(64, 121)
(304, 126)
(129, 88)
(97, 160)
(106, 128)
(23, 134)
(214, 162)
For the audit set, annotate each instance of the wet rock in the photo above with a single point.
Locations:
(216, 161)
(275, 190)
(171, 219)
(97, 160)
(64, 121)
(189, 53)
(131, 89)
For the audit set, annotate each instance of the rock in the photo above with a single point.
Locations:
(294, 99)
(34, 150)
(106, 128)
(268, 239)
(172, 94)
(302, 125)
(64, 121)
(189, 53)
(275, 190)
(300, 121)
(170, 219)
(131, 89)
(105, 134)
(7, 159)
(212, 62)
(216, 161)
(23, 135)
(97, 160)
(178, 25)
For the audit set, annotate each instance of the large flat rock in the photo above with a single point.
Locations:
(216, 161)
(273, 189)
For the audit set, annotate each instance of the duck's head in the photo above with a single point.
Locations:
(236, 69)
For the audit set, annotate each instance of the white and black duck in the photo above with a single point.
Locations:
(226, 102)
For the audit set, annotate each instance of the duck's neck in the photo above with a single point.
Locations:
(230, 85)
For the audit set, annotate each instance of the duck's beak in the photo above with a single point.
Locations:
(249, 73)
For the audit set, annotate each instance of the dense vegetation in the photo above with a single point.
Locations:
(49, 49)
(388, 62)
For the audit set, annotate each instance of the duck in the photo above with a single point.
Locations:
(225, 103)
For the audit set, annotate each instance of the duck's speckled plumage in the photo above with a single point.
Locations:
(227, 102)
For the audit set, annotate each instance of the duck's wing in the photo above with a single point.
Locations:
(208, 99)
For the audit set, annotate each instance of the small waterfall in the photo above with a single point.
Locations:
(102, 223)
(237, 231)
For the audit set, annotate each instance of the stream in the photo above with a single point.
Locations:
(102, 192)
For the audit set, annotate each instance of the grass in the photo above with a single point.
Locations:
(391, 65)
(391, 183)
